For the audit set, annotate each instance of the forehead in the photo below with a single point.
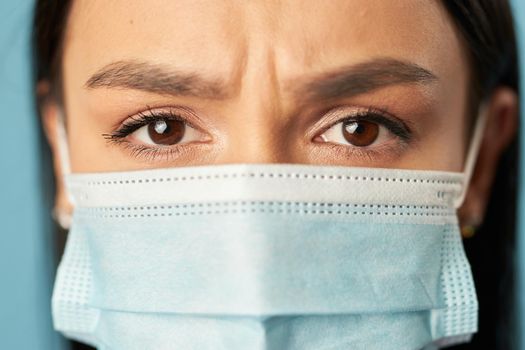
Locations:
(223, 37)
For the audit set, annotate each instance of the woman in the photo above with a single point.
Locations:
(361, 90)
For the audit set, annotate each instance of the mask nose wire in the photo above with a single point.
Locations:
(472, 155)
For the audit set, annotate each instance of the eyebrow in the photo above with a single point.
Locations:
(365, 77)
(344, 82)
(157, 79)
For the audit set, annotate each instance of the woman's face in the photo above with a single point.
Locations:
(150, 84)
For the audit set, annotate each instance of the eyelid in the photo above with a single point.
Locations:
(143, 118)
(150, 153)
(341, 114)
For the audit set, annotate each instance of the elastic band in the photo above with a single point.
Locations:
(472, 155)
(64, 219)
(63, 149)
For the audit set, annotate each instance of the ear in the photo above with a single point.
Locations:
(49, 112)
(500, 129)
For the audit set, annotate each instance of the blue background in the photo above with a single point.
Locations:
(26, 265)
(519, 12)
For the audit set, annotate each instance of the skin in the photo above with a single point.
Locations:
(265, 59)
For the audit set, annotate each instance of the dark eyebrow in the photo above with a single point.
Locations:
(344, 82)
(156, 78)
(364, 77)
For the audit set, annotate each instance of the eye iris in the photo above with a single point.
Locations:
(166, 132)
(360, 133)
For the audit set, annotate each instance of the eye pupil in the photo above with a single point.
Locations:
(360, 133)
(166, 132)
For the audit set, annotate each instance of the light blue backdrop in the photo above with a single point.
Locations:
(26, 268)
(519, 11)
(25, 246)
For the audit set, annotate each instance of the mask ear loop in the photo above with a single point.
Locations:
(472, 155)
(62, 218)
(63, 149)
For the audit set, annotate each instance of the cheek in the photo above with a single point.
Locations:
(441, 143)
(88, 152)
(442, 146)
(449, 134)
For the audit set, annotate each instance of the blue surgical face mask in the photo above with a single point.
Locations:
(267, 256)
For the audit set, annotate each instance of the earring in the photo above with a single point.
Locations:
(469, 229)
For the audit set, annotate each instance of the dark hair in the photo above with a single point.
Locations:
(488, 30)
(49, 23)
(488, 33)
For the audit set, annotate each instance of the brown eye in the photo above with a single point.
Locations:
(166, 132)
(360, 133)
(364, 131)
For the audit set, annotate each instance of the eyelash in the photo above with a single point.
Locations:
(379, 116)
(393, 124)
(133, 123)
(141, 119)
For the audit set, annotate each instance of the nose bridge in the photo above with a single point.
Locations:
(257, 134)
(251, 143)
(257, 130)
